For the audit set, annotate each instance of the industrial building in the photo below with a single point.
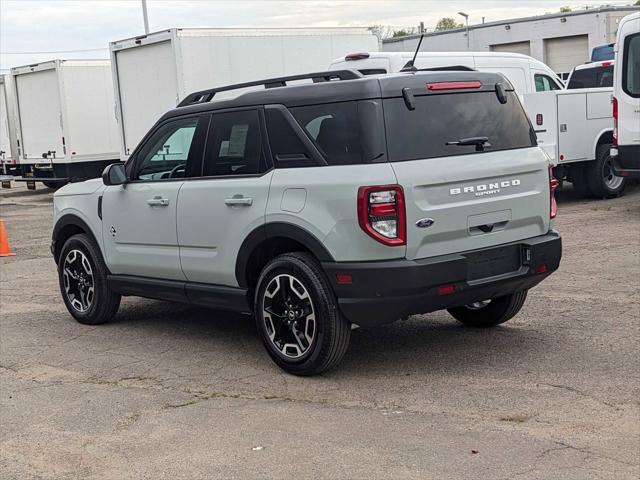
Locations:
(561, 40)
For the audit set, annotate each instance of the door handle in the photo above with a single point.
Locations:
(158, 201)
(239, 200)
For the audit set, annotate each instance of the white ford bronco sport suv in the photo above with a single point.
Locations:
(321, 204)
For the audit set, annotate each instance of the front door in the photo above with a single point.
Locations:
(139, 217)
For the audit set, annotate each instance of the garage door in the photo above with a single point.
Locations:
(514, 47)
(562, 54)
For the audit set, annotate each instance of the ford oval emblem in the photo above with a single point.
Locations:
(425, 222)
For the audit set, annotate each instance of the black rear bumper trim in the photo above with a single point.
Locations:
(382, 292)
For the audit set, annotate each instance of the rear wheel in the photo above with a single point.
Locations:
(297, 316)
(491, 312)
(600, 177)
(82, 276)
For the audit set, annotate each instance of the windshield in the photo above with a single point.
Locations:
(438, 119)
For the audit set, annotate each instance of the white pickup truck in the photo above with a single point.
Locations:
(575, 128)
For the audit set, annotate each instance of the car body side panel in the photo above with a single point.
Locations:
(329, 211)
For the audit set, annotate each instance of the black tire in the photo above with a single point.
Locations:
(579, 180)
(54, 185)
(330, 332)
(497, 311)
(599, 175)
(102, 304)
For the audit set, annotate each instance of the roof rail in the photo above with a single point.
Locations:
(204, 96)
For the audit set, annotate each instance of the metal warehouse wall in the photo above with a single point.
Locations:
(598, 25)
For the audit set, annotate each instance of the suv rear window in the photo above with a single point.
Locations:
(592, 78)
(335, 129)
(437, 119)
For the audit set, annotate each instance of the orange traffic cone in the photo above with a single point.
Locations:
(5, 249)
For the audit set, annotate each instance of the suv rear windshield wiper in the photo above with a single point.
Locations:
(480, 142)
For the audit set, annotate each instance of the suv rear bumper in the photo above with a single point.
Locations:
(382, 292)
(626, 162)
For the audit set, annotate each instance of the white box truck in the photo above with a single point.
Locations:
(66, 126)
(153, 73)
(8, 139)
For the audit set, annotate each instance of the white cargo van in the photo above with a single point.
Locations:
(66, 126)
(526, 74)
(8, 143)
(626, 101)
(153, 73)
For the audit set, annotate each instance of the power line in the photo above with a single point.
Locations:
(54, 51)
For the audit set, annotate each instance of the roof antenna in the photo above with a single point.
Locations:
(410, 65)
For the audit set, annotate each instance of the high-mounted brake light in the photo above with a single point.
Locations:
(553, 184)
(539, 119)
(614, 103)
(381, 214)
(454, 85)
(356, 56)
(607, 64)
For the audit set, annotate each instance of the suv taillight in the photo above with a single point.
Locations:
(553, 184)
(614, 102)
(381, 213)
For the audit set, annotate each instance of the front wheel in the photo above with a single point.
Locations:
(83, 282)
(489, 313)
(297, 316)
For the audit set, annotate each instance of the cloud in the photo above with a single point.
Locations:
(44, 26)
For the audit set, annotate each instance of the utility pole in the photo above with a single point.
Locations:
(145, 17)
(466, 21)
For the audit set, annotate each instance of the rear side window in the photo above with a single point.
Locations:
(631, 65)
(437, 119)
(544, 83)
(235, 145)
(335, 129)
(592, 78)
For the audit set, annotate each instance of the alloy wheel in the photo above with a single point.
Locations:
(289, 316)
(78, 281)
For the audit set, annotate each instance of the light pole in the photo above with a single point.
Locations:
(466, 21)
(145, 17)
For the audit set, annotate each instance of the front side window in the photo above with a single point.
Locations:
(166, 153)
(544, 83)
(335, 129)
(631, 65)
(235, 145)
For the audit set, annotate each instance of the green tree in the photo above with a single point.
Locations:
(447, 23)
(403, 32)
(637, 3)
(566, 9)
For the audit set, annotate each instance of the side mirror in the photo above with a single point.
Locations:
(114, 174)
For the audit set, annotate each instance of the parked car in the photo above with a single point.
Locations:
(591, 75)
(626, 98)
(320, 205)
(602, 52)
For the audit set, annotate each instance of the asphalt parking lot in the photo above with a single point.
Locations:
(173, 391)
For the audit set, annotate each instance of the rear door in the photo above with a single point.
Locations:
(227, 201)
(40, 114)
(474, 199)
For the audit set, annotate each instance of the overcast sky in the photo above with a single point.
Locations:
(59, 25)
